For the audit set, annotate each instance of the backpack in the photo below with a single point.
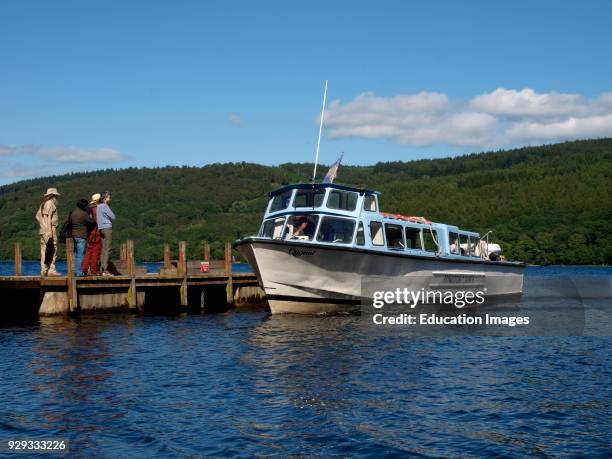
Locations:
(66, 231)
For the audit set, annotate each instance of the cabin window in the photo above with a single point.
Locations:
(413, 238)
(280, 201)
(369, 203)
(272, 228)
(308, 198)
(336, 230)
(395, 237)
(342, 200)
(464, 243)
(376, 233)
(301, 227)
(360, 234)
(430, 237)
(453, 243)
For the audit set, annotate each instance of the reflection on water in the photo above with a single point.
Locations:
(244, 383)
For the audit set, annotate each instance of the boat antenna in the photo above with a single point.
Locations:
(314, 174)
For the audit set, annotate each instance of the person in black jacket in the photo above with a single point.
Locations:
(82, 224)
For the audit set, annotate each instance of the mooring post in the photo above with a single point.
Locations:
(132, 298)
(206, 251)
(17, 259)
(166, 256)
(71, 280)
(229, 289)
(123, 252)
(183, 271)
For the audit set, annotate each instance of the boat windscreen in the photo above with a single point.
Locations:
(301, 227)
(336, 230)
(272, 228)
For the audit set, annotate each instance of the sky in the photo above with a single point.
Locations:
(90, 85)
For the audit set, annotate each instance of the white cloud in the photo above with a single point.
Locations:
(571, 128)
(65, 154)
(509, 102)
(28, 161)
(503, 117)
(236, 120)
(604, 101)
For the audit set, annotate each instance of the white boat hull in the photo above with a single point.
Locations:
(321, 279)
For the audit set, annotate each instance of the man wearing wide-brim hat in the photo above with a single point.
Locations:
(47, 219)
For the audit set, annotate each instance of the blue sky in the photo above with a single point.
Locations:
(89, 85)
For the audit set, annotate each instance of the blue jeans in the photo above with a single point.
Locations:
(80, 244)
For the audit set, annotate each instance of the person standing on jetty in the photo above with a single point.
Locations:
(94, 245)
(47, 220)
(82, 223)
(105, 218)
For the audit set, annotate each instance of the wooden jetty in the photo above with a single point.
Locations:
(179, 284)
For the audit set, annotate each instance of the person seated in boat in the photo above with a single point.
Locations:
(304, 229)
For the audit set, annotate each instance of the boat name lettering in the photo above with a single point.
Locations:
(299, 253)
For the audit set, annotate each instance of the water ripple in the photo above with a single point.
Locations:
(247, 384)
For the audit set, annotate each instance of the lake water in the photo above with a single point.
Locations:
(244, 383)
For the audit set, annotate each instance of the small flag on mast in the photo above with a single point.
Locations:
(333, 171)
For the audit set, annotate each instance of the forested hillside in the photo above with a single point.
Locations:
(548, 204)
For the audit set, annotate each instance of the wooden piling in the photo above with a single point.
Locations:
(72, 296)
(182, 268)
(123, 256)
(17, 259)
(229, 289)
(206, 251)
(131, 297)
(166, 256)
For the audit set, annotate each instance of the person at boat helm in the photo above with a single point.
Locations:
(304, 228)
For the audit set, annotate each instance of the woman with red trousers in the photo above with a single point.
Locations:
(91, 262)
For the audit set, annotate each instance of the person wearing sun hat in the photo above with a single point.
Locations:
(91, 262)
(47, 221)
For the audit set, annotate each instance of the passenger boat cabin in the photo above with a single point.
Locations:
(340, 215)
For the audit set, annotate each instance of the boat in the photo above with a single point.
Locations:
(319, 243)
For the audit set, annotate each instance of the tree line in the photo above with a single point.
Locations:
(546, 205)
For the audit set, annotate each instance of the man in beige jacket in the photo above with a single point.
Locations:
(47, 219)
